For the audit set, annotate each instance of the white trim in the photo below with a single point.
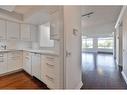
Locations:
(124, 76)
(120, 16)
(79, 85)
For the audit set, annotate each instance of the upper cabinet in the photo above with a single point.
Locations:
(25, 32)
(34, 33)
(13, 30)
(16, 31)
(45, 40)
(54, 26)
(2, 29)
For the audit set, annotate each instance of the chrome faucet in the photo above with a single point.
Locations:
(4, 47)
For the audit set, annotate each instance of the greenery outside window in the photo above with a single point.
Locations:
(87, 43)
(105, 43)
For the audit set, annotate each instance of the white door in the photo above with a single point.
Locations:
(72, 25)
(125, 43)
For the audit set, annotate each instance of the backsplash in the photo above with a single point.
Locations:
(14, 44)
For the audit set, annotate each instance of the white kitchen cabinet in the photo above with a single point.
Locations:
(45, 40)
(36, 66)
(14, 60)
(25, 32)
(13, 30)
(3, 63)
(34, 33)
(54, 26)
(2, 29)
(27, 62)
(50, 71)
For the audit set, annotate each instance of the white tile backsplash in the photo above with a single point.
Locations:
(14, 44)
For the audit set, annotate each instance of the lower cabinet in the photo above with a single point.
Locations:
(3, 63)
(27, 62)
(43, 67)
(10, 61)
(36, 65)
(14, 60)
(49, 71)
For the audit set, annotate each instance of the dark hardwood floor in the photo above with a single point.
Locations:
(101, 72)
(20, 80)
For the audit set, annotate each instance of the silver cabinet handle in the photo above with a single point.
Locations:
(50, 64)
(49, 58)
(49, 77)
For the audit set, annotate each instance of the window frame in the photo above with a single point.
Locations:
(87, 43)
(104, 45)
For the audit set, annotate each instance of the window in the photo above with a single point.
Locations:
(45, 36)
(87, 43)
(106, 43)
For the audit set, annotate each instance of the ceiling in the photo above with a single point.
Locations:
(101, 15)
(32, 14)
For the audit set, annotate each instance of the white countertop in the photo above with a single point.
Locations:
(46, 52)
(42, 51)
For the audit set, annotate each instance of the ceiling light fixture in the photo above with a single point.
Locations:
(88, 14)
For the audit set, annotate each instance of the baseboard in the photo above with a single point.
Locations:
(79, 85)
(10, 72)
(124, 76)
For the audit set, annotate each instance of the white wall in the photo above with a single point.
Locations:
(72, 71)
(14, 44)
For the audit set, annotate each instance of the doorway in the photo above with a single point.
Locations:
(99, 68)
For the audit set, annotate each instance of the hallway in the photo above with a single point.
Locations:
(101, 72)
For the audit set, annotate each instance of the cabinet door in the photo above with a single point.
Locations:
(43, 69)
(2, 29)
(11, 64)
(14, 61)
(54, 26)
(25, 32)
(27, 62)
(19, 60)
(3, 64)
(34, 33)
(36, 67)
(13, 30)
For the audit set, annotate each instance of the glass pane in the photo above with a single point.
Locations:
(106, 43)
(87, 43)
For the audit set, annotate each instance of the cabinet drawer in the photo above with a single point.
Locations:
(50, 70)
(50, 59)
(50, 82)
